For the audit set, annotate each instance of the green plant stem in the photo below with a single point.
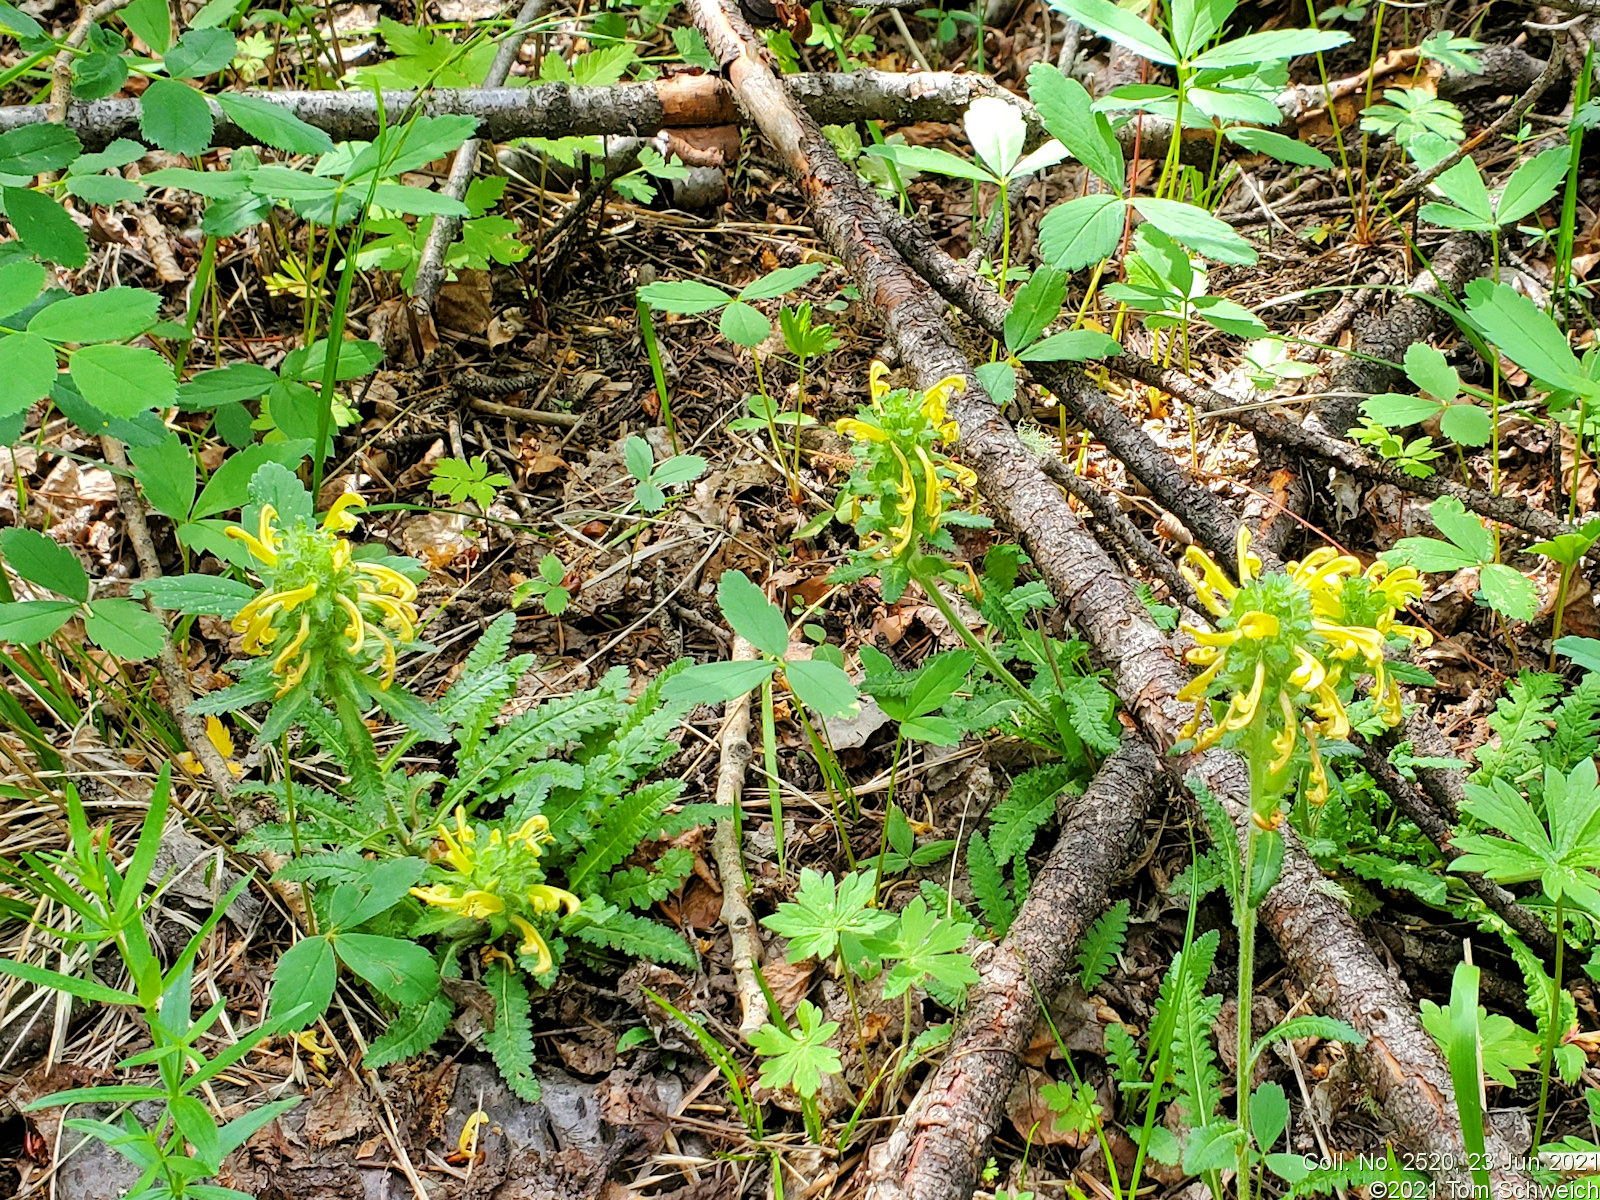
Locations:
(769, 408)
(1553, 1032)
(1260, 754)
(978, 646)
(769, 760)
(1577, 458)
(1562, 295)
(888, 811)
(647, 332)
(204, 274)
(799, 415)
(1333, 115)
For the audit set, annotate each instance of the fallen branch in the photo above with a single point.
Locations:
(1116, 523)
(558, 109)
(935, 1149)
(1185, 497)
(1375, 759)
(1316, 935)
(1340, 454)
(743, 932)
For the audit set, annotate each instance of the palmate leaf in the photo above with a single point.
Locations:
(800, 1056)
(824, 916)
(510, 1039)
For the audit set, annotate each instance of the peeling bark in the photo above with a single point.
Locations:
(941, 1139)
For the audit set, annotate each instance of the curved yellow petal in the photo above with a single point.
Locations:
(1283, 742)
(1249, 564)
(532, 943)
(339, 518)
(1196, 688)
(546, 899)
(935, 399)
(861, 431)
(1309, 673)
(280, 664)
(877, 380)
(1258, 625)
(356, 629)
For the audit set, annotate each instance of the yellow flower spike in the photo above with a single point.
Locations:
(546, 899)
(342, 550)
(356, 630)
(949, 432)
(294, 675)
(877, 381)
(1284, 740)
(478, 905)
(339, 518)
(532, 943)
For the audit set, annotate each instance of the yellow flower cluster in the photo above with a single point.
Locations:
(904, 431)
(1286, 641)
(313, 587)
(499, 880)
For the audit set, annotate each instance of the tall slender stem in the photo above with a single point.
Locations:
(1260, 755)
(1552, 1033)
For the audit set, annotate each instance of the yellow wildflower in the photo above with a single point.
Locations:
(495, 876)
(320, 599)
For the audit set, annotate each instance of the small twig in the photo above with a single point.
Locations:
(1529, 927)
(173, 672)
(430, 268)
(61, 69)
(743, 931)
(595, 189)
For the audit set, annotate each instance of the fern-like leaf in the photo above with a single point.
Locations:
(1576, 736)
(1329, 1029)
(1224, 840)
(624, 827)
(538, 733)
(411, 1032)
(1092, 709)
(1521, 718)
(511, 1038)
(942, 902)
(1122, 1052)
(1189, 1015)
(486, 682)
(1102, 944)
(639, 887)
(989, 886)
(1399, 876)
(1027, 808)
(630, 933)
